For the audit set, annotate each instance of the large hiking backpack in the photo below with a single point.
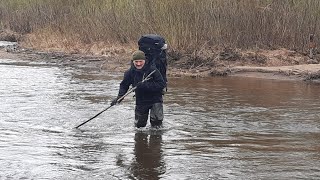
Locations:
(154, 46)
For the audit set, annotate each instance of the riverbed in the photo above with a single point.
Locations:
(214, 128)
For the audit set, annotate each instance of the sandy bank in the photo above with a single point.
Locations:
(305, 72)
(119, 63)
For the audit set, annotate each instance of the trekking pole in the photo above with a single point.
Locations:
(121, 98)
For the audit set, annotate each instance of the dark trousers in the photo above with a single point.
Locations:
(142, 113)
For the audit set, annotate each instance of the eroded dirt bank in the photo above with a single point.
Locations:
(276, 64)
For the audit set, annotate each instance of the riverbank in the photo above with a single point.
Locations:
(275, 64)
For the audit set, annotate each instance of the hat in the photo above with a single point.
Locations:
(138, 55)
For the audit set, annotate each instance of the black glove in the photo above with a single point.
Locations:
(115, 101)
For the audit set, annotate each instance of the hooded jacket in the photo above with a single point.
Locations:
(149, 92)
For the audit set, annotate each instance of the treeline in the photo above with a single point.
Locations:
(186, 24)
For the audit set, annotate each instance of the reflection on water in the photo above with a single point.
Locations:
(215, 128)
(148, 160)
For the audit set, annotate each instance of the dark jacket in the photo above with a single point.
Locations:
(149, 92)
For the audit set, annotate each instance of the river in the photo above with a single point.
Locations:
(214, 128)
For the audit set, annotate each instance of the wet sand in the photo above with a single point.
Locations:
(305, 72)
(119, 63)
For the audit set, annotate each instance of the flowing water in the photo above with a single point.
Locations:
(214, 128)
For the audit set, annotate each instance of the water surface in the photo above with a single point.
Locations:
(215, 128)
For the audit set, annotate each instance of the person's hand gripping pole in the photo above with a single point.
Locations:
(117, 100)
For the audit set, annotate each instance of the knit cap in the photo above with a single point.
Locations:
(138, 55)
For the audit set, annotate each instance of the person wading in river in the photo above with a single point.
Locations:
(148, 94)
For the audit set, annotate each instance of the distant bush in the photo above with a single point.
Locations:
(186, 24)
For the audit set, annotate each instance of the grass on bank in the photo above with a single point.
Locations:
(189, 26)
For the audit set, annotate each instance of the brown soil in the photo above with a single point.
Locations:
(279, 64)
(109, 63)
